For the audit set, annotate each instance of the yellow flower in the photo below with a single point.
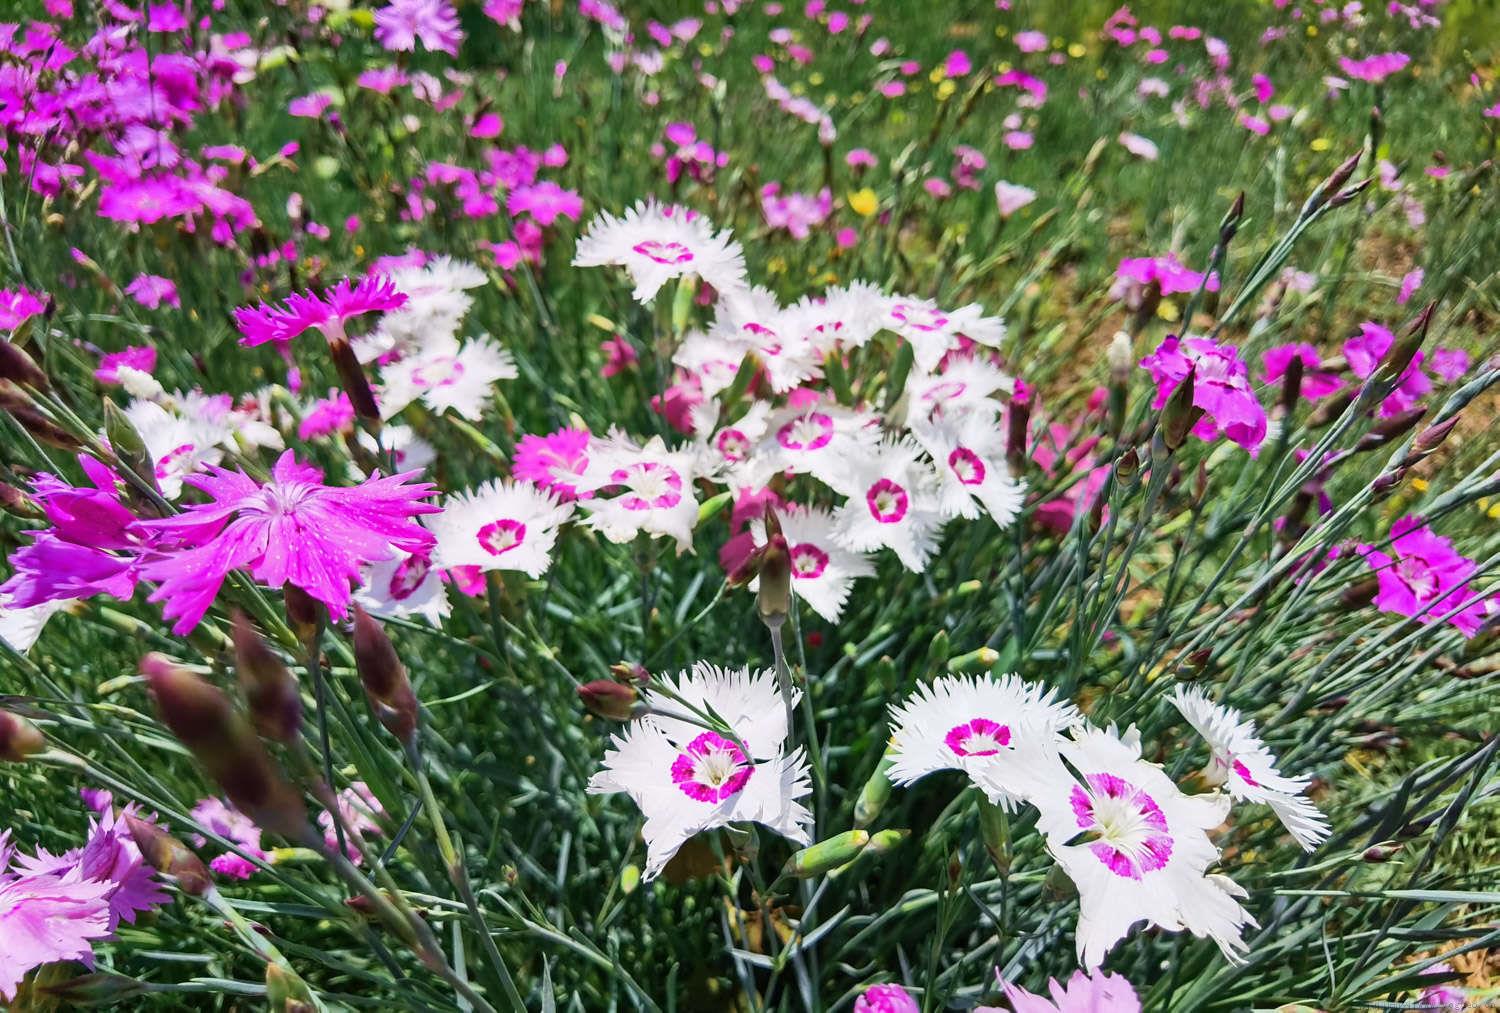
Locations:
(1077, 50)
(863, 202)
(1167, 310)
(1320, 144)
(946, 89)
(1419, 484)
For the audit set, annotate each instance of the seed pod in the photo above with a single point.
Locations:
(873, 796)
(774, 599)
(826, 855)
(1179, 415)
(169, 856)
(17, 366)
(18, 738)
(270, 688)
(225, 745)
(610, 700)
(384, 677)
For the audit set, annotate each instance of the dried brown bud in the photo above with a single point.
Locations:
(169, 856)
(1017, 421)
(18, 738)
(17, 366)
(270, 688)
(610, 700)
(384, 677)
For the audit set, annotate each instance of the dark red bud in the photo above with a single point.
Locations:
(608, 699)
(167, 855)
(270, 688)
(384, 677)
(17, 366)
(18, 738)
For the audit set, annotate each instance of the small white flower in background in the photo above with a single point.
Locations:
(1136, 847)
(968, 453)
(401, 447)
(249, 425)
(1140, 147)
(446, 375)
(20, 627)
(1012, 197)
(1002, 732)
(637, 489)
(436, 304)
(840, 318)
(965, 385)
(403, 587)
(138, 383)
(819, 440)
(727, 452)
(822, 569)
(1240, 761)
(890, 504)
(502, 525)
(657, 243)
(934, 332)
(179, 445)
(686, 779)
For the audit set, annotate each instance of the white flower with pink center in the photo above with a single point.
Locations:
(404, 587)
(840, 318)
(726, 450)
(968, 454)
(659, 242)
(1136, 847)
(446, 376)
(179, 445)
(1000, 731)
(637, 489)
(818, 440)
(713, 362)
(934, 332)
(1241, 763)
(687, 778)
(823, 571)
(890, 504)
(966, 385)
(436, 304)
(502, 525)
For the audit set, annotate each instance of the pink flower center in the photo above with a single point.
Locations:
(1420, 578)
(979, 737)
(651, 485)
(918, 317)
(945, 391)
(812, 431)
(499, 537)
(442, 371)
(408, 576)
(767, 341)
(711, 768)
(733, 445)
(671, 254)
(966, 465)
(887, 501)
(1129, 830)
(808, 561)
(172, 460)
(1244, 773)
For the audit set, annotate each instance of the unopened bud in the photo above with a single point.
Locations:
(1121, 356)
(1330, 409)
(1332, 184)
(384, 677)
(1360, 594)
(1127, 465)
(630, 671)
(610, 700)
(885, 841)
(1231, 221)
(169, 856)
(17, 366)
(355, 383)
(1179, 415)
(1291, 383)
(18, 738)
(1380, 854)
(1057, 885)
(1429, 439)
(774, 599)
(270, 688)
(304, 614)
(44, 429)
(126, 443)
(1390, 429)
(826, 855)
(994, 830)
(873, 796)
(224, 743)
(286, 992)
(99, 989)
(1393, 368)
(1017, 421)
(1347, 195)
(981, 659)
(1386, 483)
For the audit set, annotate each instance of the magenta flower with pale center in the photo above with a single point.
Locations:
(1424, 577)
(401, 24)
(1085, 992)
(1316, 381)
(18, 306)
(43, 920)
(1221, 387)
(1364, 352)
(151, 290)
(291, 530)
(555, 461)
(327, 312)
(545, 201)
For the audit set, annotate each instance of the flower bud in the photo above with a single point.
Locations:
(1179, 415)
(1348, 194)
(1127, 465)
(610, 700)
(355, 383)
(1332, 184)
(630, 671)
(169, 856)
(939, 650)
(125, 440)
(826, 856)
(774, 599)
(44, 429)
(384, 677)
(98, 988)
(270, 688)
(1017, 421)
(885, 841)
(286, 992)
(1390, 429)
(1429, 439)
(1058, 886)
(225, 745)
(1360, 594)
(873, 796)
(18, 367)
(1291, 384)
(304, 614)
(1330, 409)
(1390, 371)
(18, 738)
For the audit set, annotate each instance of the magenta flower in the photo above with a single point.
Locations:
(1221, 388)
(554, 461)
(1449, 364)
(886, 999)
(620, 355)
(1167, 273)
(291, 530)
(402, 24)
(1424, 577)
(18, 306)
(329, 415)
(223, 820)
(1317, 382)
(151, 290)
(109, 856)
(798, 213)
(141, 358)
(1374, 68)
(545, 201)
(327, 312)
(1364, 352)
